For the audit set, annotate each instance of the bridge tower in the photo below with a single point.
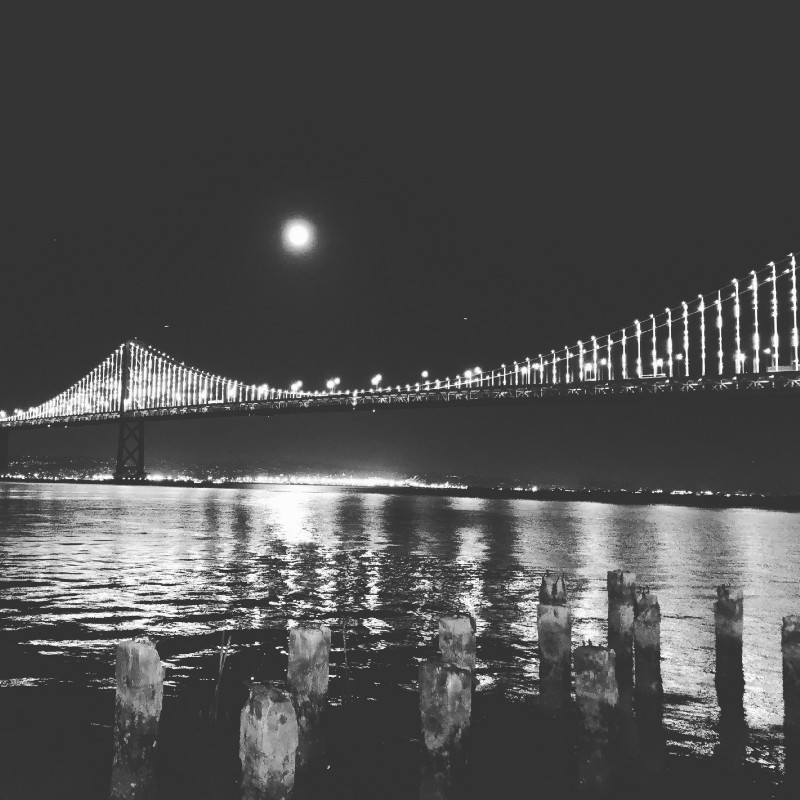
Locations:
(130, 443)
(3, 451)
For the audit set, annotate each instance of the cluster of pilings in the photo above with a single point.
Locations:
(614, 722)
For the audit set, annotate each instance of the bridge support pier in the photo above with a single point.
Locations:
(3, 451)
(130, 450)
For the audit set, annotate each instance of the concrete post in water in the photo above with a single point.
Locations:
(457, 642)
(729, 676)
(790, 647)
(597, 699)
(445, 704)
(555, 645)
(140, 689)
(620, 625)
(268, 740)
(307, 680)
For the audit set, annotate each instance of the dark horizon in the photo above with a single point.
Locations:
(719, 444)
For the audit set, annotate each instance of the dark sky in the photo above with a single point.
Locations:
(546, 177)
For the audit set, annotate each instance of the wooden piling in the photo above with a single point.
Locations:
(647, 646)
(268, 744)
(597, 699)
(790, 649)
(649, 691)
(307, 680)
(729, 675)
(140, 690)
(621, 587)
(555, 645)
(729, 682)
(457, 642)
(445, 703)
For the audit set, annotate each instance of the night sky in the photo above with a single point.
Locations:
(485, 187)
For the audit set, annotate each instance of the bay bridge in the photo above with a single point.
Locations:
(740, 339)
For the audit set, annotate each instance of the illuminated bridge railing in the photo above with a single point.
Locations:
(743, 336)
(740, 385)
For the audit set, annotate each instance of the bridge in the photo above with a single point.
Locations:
(739, 339)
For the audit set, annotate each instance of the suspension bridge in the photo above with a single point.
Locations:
(741, 338)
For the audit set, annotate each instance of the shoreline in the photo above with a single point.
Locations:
(608, 496)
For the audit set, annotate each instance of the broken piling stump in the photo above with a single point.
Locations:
(555, 645)
(268, 743)
(647, 647)
(137, 710)
(649, 690)
(597, 700)
(445, 704)
(621, 587)
(307, 680)
(729, 674)
(729, 682)
(457, 642)
(790, 651)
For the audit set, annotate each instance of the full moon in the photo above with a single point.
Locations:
(298, 235)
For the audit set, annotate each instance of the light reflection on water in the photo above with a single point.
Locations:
(86, 565)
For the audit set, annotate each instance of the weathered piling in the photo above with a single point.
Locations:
(729, 675)
(140, 690)
(729, 682)
(445, 704)
(307, 680)
(268, 743)
(621, 587)
(457, 642)
(790, 649)
(555, 645)
(597, 699)
(649, 690)
(647, 647)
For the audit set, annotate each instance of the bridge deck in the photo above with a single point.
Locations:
(734, 385)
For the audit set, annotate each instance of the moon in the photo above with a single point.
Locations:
(298, 235)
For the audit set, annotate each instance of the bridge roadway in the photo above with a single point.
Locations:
(662, 387)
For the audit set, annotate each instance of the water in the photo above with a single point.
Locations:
(86, 565)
